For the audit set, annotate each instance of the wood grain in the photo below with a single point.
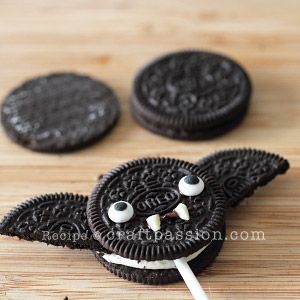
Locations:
(111, 40)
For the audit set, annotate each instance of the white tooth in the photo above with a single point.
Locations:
(182, 211)
(154, 222)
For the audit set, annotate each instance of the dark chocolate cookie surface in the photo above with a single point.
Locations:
(150, 187)
(59, 112)
(241, 171)
(182, 94)
(56, 219)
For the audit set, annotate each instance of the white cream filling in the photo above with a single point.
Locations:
(144, 264)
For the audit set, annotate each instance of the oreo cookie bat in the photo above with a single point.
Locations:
(145, 213)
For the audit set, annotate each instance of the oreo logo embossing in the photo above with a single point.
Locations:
(157, 200)
(235, 186)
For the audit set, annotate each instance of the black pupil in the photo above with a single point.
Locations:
(191, 179)
(120, 206)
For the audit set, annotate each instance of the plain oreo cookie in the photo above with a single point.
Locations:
(191, 95)
(59, 112)
(154, 189)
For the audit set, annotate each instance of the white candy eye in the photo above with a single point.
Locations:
(191, 185)
(120, 212)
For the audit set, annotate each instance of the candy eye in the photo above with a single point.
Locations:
(120, 212)
(191, 185)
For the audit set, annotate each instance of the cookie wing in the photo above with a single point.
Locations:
(56, 219)
(241, 171)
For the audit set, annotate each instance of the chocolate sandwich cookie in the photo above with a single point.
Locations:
(241, 171)
(59, 112)
(168, 273)
(148, 212)
(191, 95)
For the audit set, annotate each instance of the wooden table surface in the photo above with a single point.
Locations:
(110, 40)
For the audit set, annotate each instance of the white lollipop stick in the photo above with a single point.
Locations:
(190, 279)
